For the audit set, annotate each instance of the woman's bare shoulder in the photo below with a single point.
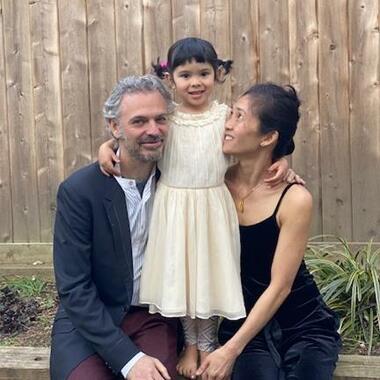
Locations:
(298, 198)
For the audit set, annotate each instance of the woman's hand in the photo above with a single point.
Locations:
(107, 158)
(218, 365)
(282, 173)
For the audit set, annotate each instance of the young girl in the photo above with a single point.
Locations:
(191, 264)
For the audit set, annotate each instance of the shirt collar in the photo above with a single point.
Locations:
(130, 183)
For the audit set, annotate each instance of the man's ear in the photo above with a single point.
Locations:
(114, 128)
(269, 139)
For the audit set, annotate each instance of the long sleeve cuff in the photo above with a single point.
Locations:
(125, 370)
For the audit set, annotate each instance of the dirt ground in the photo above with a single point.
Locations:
(27, 321)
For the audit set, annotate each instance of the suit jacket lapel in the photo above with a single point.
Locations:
(116, 210)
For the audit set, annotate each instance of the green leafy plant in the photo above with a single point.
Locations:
(348, 279)
(27, 286)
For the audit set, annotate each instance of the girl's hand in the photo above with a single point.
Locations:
(291, 176)
(218, 365)
(107, 158)
(282, 173)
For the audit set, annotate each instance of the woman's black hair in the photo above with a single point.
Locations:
(188, 49)
(277, 109)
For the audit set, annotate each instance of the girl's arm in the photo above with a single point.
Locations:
(107, 158)
(294, 220)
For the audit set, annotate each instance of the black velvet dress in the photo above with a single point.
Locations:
(302, 321)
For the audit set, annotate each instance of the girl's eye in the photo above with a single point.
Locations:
(205, 74)
(185, 76)
(239, 116)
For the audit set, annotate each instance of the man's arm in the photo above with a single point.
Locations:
(77, 292)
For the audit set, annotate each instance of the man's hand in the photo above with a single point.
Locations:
(148, 368)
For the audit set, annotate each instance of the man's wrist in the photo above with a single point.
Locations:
(125, 370)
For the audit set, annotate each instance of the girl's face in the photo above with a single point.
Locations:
(242, 130)
(194, 83)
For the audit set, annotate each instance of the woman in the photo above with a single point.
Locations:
(288, 331)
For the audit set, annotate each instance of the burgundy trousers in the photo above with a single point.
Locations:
(153, 334)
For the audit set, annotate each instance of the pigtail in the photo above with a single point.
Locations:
(224, 68)
(160, 69)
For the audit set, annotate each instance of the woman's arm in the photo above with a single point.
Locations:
(294, 219)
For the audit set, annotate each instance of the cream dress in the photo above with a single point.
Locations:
(192, 260)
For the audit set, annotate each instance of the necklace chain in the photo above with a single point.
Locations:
(241, 199)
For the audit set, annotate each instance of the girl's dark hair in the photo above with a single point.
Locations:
(188, 49)
(277, 109)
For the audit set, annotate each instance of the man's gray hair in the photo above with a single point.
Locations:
(134, 84)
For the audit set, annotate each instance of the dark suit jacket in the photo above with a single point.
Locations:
(94, 272)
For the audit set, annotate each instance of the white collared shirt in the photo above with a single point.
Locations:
(139, 212)
(139, 209)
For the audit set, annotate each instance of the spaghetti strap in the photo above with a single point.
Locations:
(281, 197)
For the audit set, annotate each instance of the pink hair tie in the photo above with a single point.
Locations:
(164, 65)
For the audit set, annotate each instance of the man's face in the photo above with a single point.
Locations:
(143, 125)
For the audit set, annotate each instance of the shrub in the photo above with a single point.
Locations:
(348, 279)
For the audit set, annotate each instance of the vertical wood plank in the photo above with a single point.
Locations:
(47, 108)
(303, 53)
(75, 83)
(365, 117)
(59, 60)
(20, 117)
(6, 233)
(186, 18)
(129, 37)
(334, 118)
(274, 41)
(102, 64)
(244, 45)
(157, 31)
(215, 27)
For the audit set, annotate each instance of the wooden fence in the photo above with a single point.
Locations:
(60, 58)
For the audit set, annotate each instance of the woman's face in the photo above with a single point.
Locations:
(242, 130)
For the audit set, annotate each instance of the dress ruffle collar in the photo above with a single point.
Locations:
(214, 113)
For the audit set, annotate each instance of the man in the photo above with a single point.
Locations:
(100, 331)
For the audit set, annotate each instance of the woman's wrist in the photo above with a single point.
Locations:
(233, 349)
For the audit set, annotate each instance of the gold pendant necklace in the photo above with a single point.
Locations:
(241, 200)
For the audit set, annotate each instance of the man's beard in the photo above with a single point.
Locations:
(134, 150)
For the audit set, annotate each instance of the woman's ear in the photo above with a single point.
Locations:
(114, 129)
(269, 139)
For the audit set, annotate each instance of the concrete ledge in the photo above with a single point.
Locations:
(26, 259)
(358, 367)
(32, 363)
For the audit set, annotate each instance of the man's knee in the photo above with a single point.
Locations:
(93, 368)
